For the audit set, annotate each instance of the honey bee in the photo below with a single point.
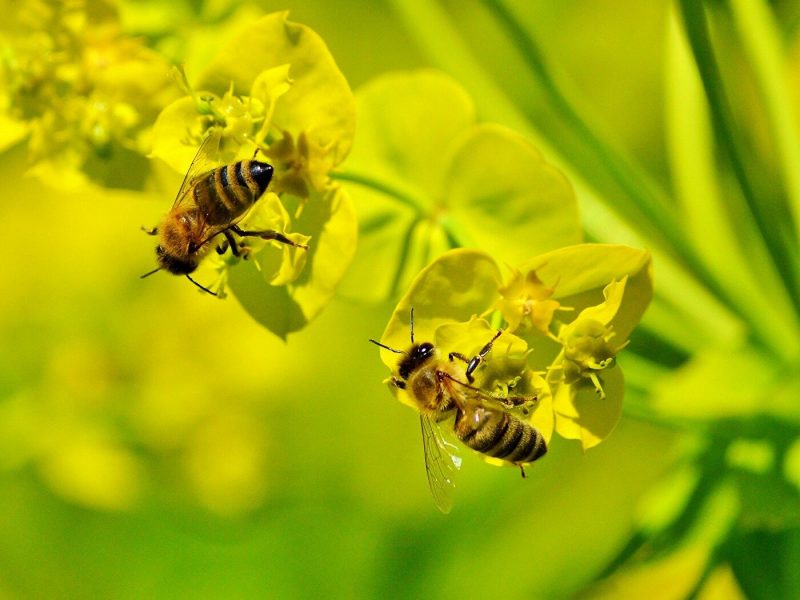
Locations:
(210, 202)
(481, 421)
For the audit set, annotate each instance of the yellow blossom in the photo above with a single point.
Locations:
(526, 302)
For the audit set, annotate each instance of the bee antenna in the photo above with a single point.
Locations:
(412, 324)
(149, 273)
(386, 347)
(205, 289)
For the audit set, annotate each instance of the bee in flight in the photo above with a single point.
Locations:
(210, 202)
(481, 421)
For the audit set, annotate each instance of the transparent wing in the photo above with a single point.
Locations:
(441, 463)
(466, 396)
(204, 161)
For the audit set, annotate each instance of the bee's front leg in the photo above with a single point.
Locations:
(150, 230)
(479, 358)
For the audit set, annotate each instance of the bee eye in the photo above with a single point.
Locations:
(426, 349)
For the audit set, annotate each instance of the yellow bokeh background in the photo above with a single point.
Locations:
(158, 443)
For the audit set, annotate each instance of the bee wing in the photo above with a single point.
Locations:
(469, 397)
(441, 463)
(204, 160)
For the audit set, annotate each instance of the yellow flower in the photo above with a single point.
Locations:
(82, 89)
(586, 351)
(587, 347)
(525, 302)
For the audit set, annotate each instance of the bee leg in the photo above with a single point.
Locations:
(523, 401)
(231, 242)
(522, 470)
(150, 230)
(267, 234)
(459, 356)
(478, 358)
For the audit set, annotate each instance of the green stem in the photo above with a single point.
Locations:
(403, 197)
(762, 44)
(456, 236)
(405, 250)
(773, 234)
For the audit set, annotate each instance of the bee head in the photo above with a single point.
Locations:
(174, 264)
(416, 356)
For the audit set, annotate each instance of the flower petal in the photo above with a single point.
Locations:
(453, 288)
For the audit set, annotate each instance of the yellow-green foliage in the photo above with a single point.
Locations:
(615, 185)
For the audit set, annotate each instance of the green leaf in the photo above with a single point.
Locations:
(673, 576)
(768, 218)
(506, 198)
(767, 501)
(678, 573)
(791, 464)
(722, 383)
(764, 49)
(329, 219)
(776, 577)
(732, 249)
(667, 500)
(319, 101)
(407, 122)
(447, 182)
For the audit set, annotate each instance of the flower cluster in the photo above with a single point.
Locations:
(560, 339)
(274, 91)
(78, 89)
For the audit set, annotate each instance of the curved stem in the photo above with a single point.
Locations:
(405, 250)
(403, 197)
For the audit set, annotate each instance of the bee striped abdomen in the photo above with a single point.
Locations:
(227, 192)
(500, 435)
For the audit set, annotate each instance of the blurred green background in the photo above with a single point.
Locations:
(155, 442)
